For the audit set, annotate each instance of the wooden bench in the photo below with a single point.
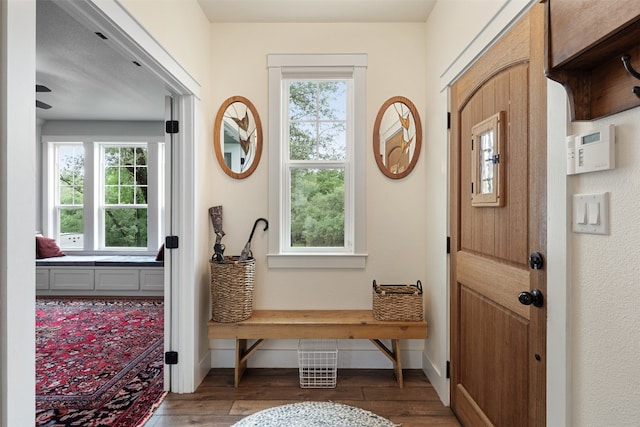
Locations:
(316, 324)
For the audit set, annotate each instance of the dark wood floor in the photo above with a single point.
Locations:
(217, 403)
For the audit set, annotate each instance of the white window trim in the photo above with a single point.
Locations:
(283, 66)
(92, 144)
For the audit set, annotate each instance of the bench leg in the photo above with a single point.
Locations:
(242, 356)
(241, 363)
(398, 363)
(393, 355)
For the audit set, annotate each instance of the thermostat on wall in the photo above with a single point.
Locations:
(591, 151)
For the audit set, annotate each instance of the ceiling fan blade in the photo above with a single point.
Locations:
(42, 105)
(42, 88)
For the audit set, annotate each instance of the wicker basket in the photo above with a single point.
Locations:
(232, 289)
(398, 302)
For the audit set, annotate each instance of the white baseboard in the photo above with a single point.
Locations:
(352, 354)
(438, 380)
(204, 365)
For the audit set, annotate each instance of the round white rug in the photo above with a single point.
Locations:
(314, 414)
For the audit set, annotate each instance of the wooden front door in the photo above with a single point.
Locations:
(498, 209)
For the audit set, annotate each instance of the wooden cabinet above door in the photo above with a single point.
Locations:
(585, 41)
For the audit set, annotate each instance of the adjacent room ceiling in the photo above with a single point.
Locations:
(317, 10)
(88, 78)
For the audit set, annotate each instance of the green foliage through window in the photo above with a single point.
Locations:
(317, 121)
(317, 207)
(125, 196)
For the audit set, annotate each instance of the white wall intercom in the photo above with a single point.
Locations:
(591, 151)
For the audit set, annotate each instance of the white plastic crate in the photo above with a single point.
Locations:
(318, 363)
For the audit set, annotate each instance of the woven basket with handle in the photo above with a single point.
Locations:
(398, 302)
(232, 289)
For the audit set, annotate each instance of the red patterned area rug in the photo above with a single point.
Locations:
(98, 362)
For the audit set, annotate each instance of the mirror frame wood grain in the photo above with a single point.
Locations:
(218, 141)
(376, 137)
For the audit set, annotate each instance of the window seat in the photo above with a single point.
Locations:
(100, 275)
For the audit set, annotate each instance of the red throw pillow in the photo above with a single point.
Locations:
(47, 248)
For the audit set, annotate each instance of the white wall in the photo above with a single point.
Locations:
(396, 209)
(605, 289)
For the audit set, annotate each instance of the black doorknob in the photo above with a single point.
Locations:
(534, 297)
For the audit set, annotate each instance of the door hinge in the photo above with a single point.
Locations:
(448, 373)
(448, 120)
(171, 358)
(171, 126)
(496, 159)
(448, 244)
(171, 242)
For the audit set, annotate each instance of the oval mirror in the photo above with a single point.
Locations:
(237, 137)
(397, 137)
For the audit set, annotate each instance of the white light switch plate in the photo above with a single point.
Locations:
(591, 213)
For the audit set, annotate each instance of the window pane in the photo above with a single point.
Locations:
(127, 176)
(302, 95)
(332, 100)
(71, 228)
(141, 195)
(125, 228)
(111, 195)
(302, 141)
(486, 162)
(127, 156)
(111, 176)
(66, 195)
(317, 120)
(317, 207)
(141, 175)
(141, 156)
(70, 174)
(111, 156)
(126, 195)
(332, 144)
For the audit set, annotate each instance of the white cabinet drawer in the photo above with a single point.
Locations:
(152, 279)
(117, 279)
(70, 279)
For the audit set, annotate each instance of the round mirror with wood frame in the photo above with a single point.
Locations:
(237, 137)
(397, 137)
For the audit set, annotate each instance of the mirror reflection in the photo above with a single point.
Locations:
(397, 137)
(238, 137)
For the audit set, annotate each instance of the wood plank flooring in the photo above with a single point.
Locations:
(216, 403)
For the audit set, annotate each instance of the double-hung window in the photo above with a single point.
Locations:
(104, 196)
(316, 159)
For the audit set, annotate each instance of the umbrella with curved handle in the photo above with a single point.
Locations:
(246, 251)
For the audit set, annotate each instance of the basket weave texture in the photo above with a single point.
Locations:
(398, 302)
(232, 289)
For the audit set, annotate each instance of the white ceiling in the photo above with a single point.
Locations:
(317, 10)
(90, 80)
